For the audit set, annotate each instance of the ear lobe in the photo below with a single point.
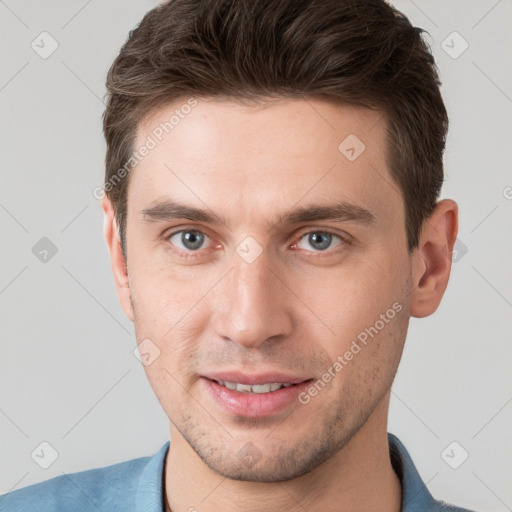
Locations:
(118, 263)
(433, 258)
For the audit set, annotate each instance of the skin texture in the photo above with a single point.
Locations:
(294, 309)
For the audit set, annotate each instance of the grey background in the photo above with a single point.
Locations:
(68, 373)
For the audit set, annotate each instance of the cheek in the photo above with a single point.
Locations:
(352, 294)
(163, 297)
(173, 371)
(366, 296)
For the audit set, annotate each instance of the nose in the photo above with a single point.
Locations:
(252, 306)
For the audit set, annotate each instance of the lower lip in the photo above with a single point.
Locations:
(255, 405)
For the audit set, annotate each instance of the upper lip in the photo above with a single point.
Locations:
(255, 378)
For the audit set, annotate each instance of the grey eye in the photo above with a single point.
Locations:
(189, 239)
(319, 241)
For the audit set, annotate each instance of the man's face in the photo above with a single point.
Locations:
(265, 287)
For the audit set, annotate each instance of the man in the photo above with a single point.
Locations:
(272, 180)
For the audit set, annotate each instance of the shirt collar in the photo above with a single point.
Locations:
(415, 495)
(150, 490)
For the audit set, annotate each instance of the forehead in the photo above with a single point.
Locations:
(286, 125)
(263, 157)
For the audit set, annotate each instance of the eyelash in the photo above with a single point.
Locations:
(194, 254)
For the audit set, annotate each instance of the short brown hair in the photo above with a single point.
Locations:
(362, 52)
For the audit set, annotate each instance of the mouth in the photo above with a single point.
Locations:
(256, 388)
(254, 396)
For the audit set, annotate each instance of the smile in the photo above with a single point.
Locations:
(264, 395)
(255, 388)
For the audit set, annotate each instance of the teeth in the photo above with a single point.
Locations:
(256, 388)
(264, 388)
(230, 385)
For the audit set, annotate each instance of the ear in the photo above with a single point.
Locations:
(432, 260)
(111, 232)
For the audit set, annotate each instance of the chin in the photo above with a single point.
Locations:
(268, 464)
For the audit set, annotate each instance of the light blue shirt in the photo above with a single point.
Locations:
(138, 486)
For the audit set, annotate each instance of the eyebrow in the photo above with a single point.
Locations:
(340, 211)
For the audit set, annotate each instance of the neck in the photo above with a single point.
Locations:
(359, 477)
